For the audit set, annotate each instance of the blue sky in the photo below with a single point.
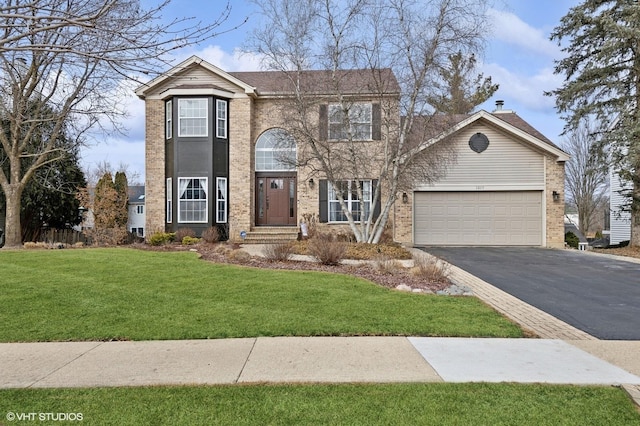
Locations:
(519, 57)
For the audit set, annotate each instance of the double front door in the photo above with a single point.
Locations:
(276, 200)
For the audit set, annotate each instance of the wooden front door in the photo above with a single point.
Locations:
(276, 200)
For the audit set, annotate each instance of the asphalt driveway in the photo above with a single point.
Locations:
(596, 294)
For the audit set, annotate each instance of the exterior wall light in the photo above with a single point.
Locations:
(405, 198)
(311, 183)
(556, 196)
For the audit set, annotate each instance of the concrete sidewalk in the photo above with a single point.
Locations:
(317, 360)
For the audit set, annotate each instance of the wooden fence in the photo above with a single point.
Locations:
(64, 236)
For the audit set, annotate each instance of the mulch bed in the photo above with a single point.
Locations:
(214, 253)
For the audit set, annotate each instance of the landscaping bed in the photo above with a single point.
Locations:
(379, 263)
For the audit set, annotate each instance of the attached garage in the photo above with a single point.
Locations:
(498, 218)
(504, 187)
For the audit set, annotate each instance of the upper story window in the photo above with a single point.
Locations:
(192, 117)
(221, 119)
(357, 120)
(168, 114)
(140, 209)
(275, 151)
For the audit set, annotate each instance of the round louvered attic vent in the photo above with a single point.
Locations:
(479, 142)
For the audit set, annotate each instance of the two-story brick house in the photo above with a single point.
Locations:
(215, 157)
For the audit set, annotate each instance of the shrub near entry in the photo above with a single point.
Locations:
(211, 235)
(278, 252)
(327, 249)
(181, 233)
(161, 238)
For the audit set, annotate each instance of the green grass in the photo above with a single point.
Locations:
(397, 404)
(103, 294)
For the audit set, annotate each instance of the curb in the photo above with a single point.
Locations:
(634, 393)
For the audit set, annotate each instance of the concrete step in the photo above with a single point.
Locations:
(271, 235)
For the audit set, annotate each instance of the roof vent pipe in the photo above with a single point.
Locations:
(499, 105)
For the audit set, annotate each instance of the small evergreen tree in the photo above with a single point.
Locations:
(105, 198)
(122, 199)
(50, 198)
(459, 92)
(103, 203)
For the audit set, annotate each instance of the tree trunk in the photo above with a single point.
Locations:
(13, 230)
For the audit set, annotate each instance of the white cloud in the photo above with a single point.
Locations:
(525, 90)
(510, 29)
(116, 152)
(234, 61)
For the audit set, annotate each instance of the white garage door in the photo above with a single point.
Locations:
(478, 218)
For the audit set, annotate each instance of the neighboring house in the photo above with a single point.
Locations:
(211, 161)
(620, 218)
(137, 217)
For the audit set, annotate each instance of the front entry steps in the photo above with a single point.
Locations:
(271, 234)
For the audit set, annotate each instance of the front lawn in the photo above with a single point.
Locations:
(388, 404)
(104, 294)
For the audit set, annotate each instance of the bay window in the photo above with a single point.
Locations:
(221, 200)
(168, 114)
(221, 119)
(192, 117)
(192, 200)
(169, 200)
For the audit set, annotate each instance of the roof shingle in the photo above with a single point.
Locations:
(348, 82)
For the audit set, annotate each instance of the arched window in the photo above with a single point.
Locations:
(275, 151)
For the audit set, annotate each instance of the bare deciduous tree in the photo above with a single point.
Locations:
(586, 175)
(73, 57)
(415, 39)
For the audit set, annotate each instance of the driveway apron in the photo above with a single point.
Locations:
(596, 294)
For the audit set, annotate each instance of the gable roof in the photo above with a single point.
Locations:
(432, 132)
(183, 67)
(136, 194)
(515, 120)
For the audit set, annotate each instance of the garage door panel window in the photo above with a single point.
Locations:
(192, 200)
